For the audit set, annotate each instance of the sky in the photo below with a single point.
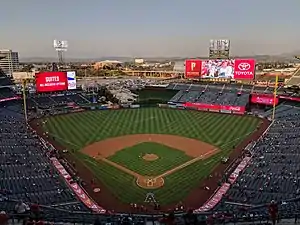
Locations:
(141, 28)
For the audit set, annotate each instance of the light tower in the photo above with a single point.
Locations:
(60, 47)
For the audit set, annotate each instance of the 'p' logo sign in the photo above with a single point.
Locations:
(193, 65)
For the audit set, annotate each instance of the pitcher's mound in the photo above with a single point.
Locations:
(150, 157)
(150, 182)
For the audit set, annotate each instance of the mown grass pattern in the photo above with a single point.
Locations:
(78, 130)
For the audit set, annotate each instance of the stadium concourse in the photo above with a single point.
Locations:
(270, 170)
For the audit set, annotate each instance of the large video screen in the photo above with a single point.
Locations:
(240, 69)
(55, 81)
(218, 68)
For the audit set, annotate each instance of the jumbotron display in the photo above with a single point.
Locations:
(55, 81)
(243, 69)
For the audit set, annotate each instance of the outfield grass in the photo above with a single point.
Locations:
(78, 130)
(132, 158)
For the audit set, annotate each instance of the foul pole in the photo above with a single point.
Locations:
(24, 100)
(274, 98)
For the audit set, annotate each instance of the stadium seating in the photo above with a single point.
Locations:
(4, 80)
(295, 79)
(50, 101)
(25, 171)
(6, 93)
(212, 95)
(274, 171)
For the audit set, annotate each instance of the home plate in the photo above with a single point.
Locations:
(96, 190)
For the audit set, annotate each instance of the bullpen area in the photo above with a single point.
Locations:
(173, 154)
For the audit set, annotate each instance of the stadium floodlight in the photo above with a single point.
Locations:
(60, 47)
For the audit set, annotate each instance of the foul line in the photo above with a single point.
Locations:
(136, 175)
(203, 156)
(118, 166)
(68, 142)
(187, 163)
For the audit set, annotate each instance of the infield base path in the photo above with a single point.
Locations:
(110, 146)
(197, 149)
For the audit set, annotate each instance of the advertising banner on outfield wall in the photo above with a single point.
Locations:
(193, 68)
(225, 111)
(135, 106)
(211, 107)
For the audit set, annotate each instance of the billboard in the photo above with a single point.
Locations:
(55, 81)
(193, 68)
(244, 69)
(218, 68)
(71, 75)
(215, 108)
(60, 44)
(264, 99)
(219, 48)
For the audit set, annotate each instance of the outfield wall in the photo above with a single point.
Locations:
(240, 110)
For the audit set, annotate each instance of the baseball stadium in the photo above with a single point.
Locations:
(167, 152)
(214, 144)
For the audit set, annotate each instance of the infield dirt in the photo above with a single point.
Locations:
(109, 147)
(194, 148)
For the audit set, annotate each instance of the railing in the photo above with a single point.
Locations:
(56, 215)
(85, 218)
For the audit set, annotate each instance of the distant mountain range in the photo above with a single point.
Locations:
(282, 57)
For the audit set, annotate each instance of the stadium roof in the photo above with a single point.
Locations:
(111, 62)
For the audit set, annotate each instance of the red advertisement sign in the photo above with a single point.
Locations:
(218, 68)
(76, 188)
(244, 69)
(211, 107)
(263, 99)
(297, 99)
(51, 81)
(235, 174)
(215, 199)
(9, 99)
(193, 68)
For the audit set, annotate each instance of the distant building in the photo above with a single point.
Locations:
(179, 66)
(19, 76)
(139, 61)
(9, 61)
(107, 64)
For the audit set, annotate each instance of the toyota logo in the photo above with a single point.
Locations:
(244, 66)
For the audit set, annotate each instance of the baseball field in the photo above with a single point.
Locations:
(163, 151)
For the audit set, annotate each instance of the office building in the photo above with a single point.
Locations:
(9, 61)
